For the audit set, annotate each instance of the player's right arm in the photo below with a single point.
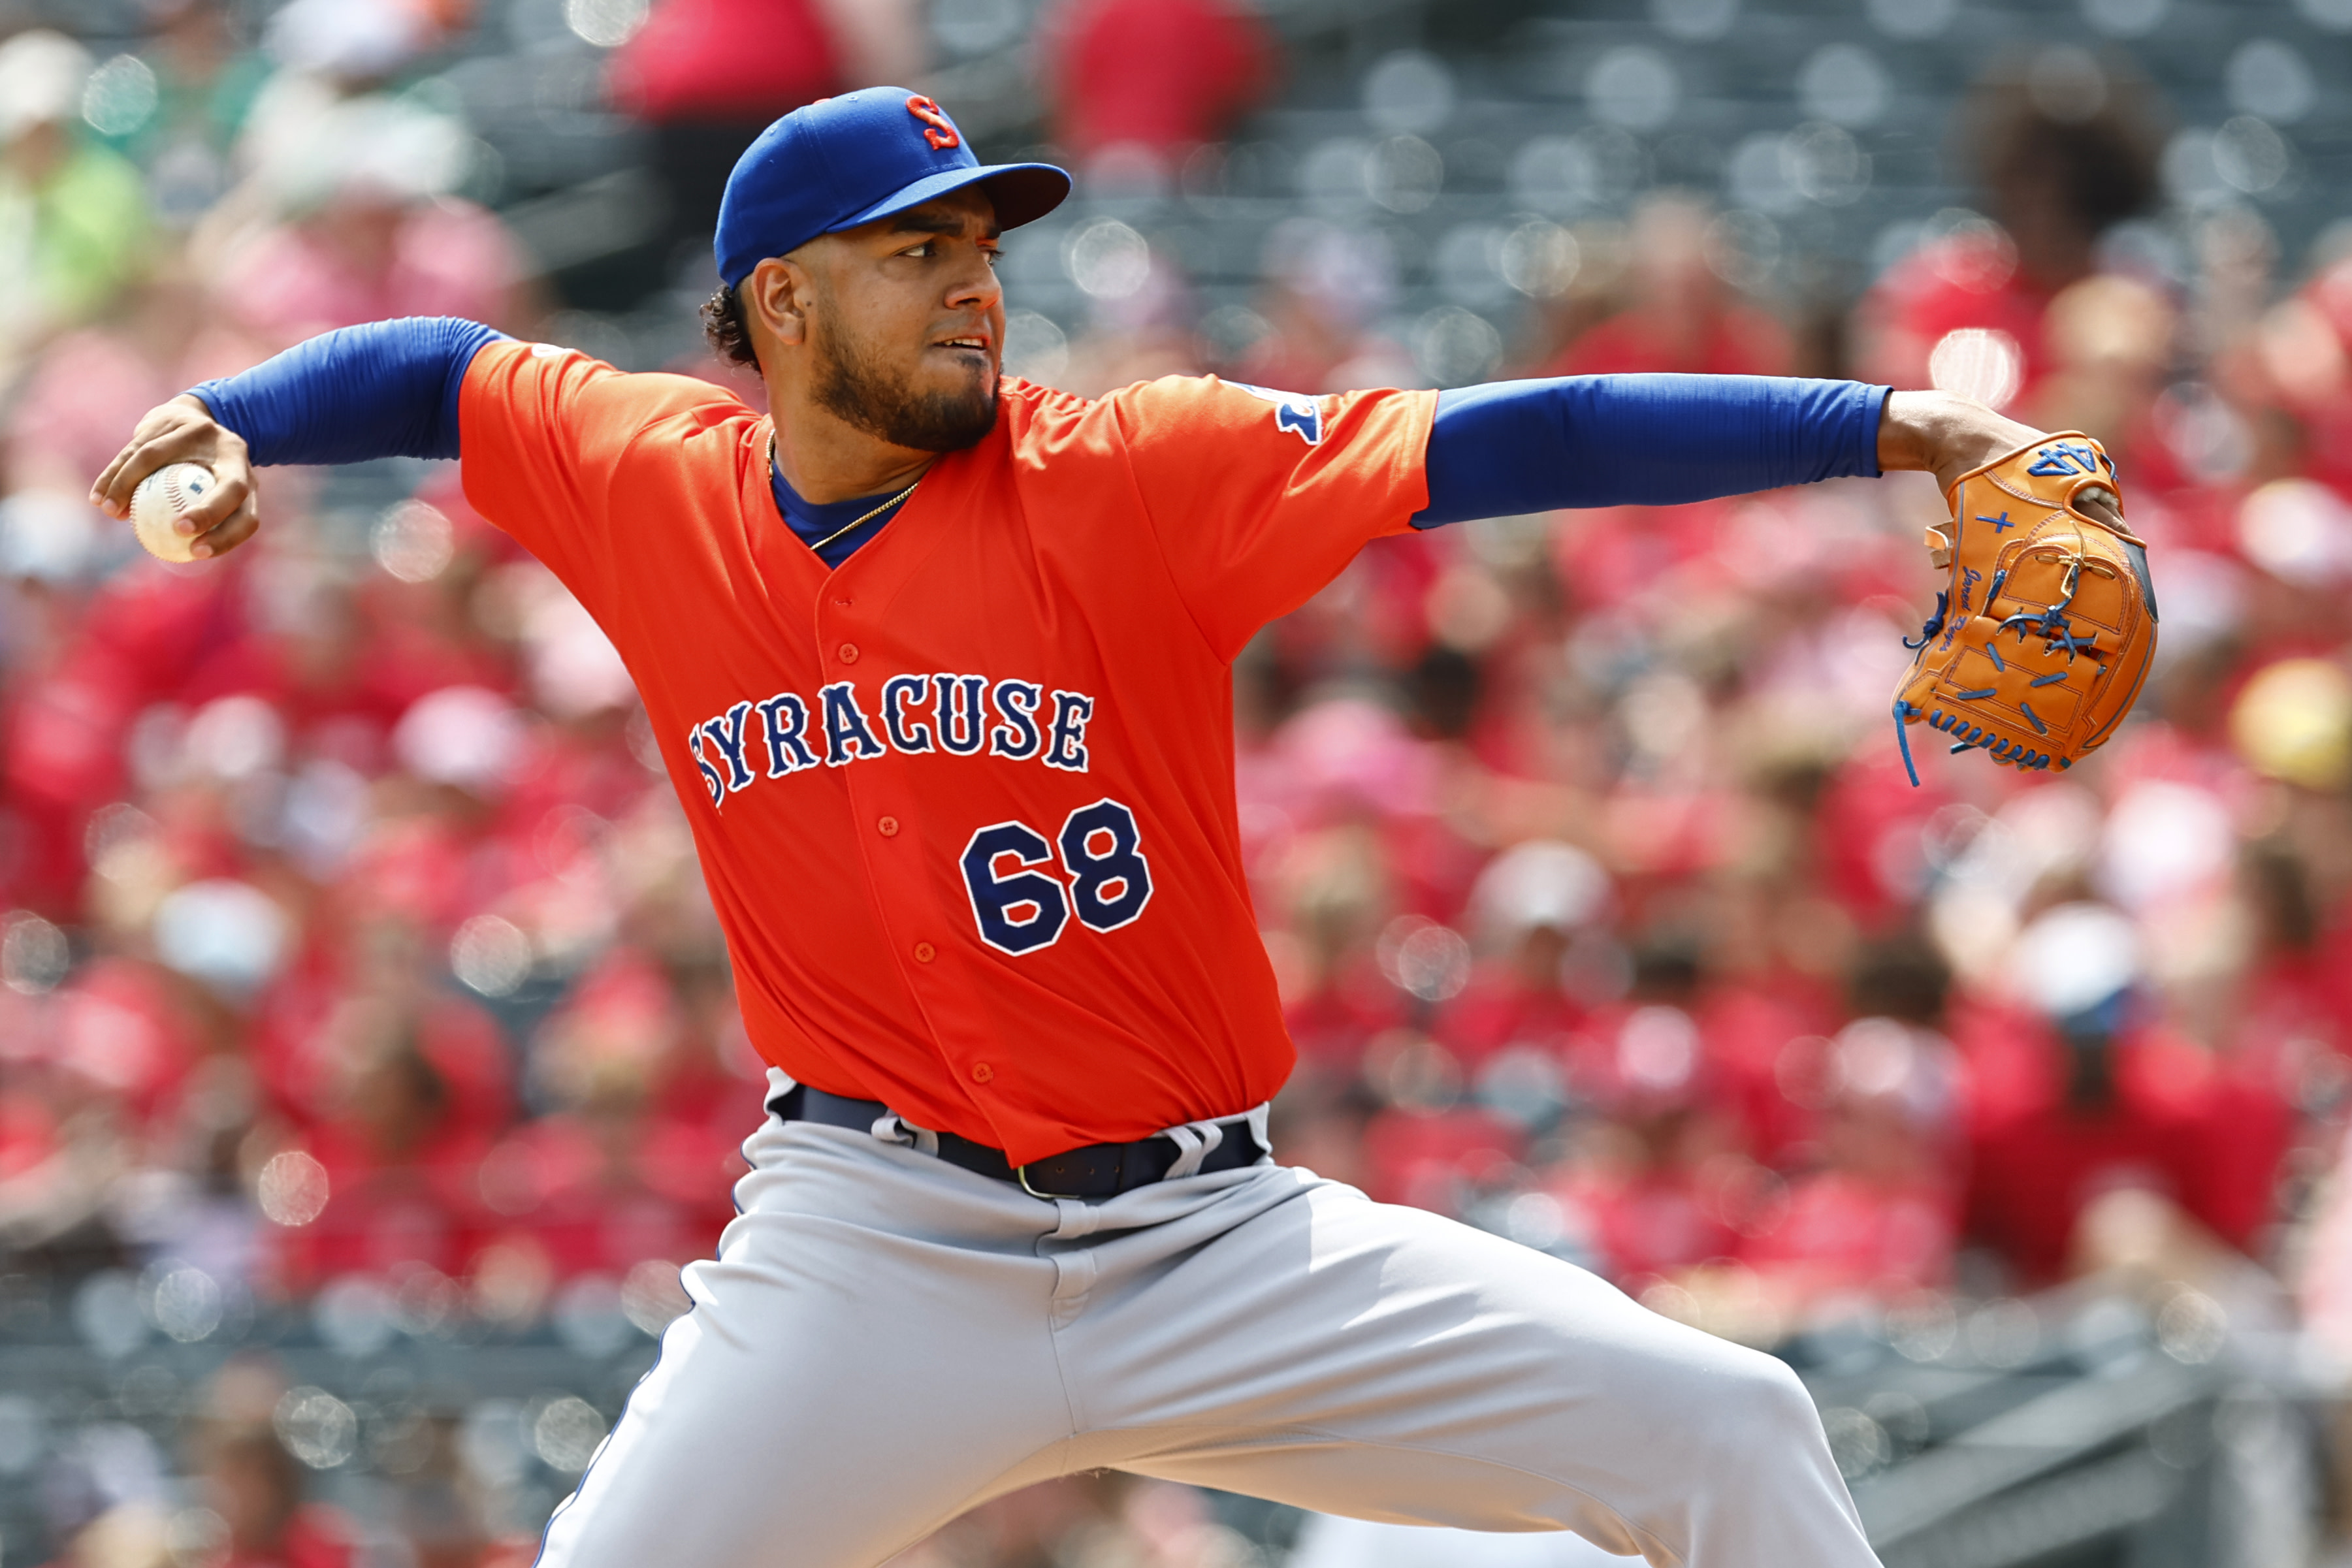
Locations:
(389, 388)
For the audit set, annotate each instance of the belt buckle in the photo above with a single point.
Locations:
(1088, 1165)
(1021, 1174)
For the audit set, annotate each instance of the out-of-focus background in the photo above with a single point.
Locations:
(368, 1057)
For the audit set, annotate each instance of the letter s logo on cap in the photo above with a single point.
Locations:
(938, 129)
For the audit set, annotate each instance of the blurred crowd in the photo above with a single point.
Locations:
(355, 955)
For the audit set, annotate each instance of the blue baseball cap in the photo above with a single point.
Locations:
(841, 161)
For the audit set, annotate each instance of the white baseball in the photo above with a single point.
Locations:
(158, 502)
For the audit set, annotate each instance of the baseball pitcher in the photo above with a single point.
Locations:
(938, 661)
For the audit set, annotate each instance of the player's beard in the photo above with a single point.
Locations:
(855, 386)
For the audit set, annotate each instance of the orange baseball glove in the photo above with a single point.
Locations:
(2040, 645)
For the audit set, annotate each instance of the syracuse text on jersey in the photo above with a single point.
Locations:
(959, 716)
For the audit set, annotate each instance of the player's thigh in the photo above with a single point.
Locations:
(833, 1395)
(1385, 1363)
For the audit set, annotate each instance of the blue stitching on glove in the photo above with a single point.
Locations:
(1902, 738)
(1935, 624)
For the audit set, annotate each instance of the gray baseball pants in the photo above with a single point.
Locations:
(886, 1341)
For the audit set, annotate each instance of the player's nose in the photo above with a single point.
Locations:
(975, 286)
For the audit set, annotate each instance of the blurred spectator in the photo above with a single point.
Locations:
(2109, 340)
(348, 45)
(2065, 149)
(1680, 314)
(612, 1176)
(254, 1487)
(363, 224)
(709, 74)
(1140, 83)
(2303, 347)
(2082, 1095)
(72, 212)
(83, 386)
(205, 80)
(1531, 903)
(1656, 1178)
(402, 1087)
(1325, 284)
(1879, 1215)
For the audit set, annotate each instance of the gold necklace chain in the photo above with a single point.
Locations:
(868, 518)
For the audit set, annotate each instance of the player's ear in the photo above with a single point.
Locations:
(777, 294)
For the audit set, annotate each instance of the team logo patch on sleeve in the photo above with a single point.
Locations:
(1293, 411)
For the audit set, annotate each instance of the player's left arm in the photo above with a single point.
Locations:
(1513, 447)
(1257, 499)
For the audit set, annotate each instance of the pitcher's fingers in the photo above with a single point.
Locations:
(171, 434)
(106, 492)
(144, 455)
(229, 495)
(227, 536)
(113, 488)
(2101, 503)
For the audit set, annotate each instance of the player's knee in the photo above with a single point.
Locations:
(1774, 1394)
(1760, 1412)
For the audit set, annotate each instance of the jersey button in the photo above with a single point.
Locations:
(981, 1073)
(849, 653)
(889, 826)
(925, 952)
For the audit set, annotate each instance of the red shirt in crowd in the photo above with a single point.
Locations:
(1161, 73)
(2167, 1126)
(726, 59)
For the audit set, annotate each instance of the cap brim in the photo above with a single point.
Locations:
(1022, 192)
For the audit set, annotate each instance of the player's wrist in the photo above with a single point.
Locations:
(1902, 429)
(195, 414)
(1944, 434)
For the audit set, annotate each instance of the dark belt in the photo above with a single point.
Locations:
(1097, 1170)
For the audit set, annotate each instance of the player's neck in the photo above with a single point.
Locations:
(825, 459)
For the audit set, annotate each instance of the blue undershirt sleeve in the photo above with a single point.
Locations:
(1513, 447)
(385, 390)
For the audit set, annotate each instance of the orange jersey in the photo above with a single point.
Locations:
(965, 803)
